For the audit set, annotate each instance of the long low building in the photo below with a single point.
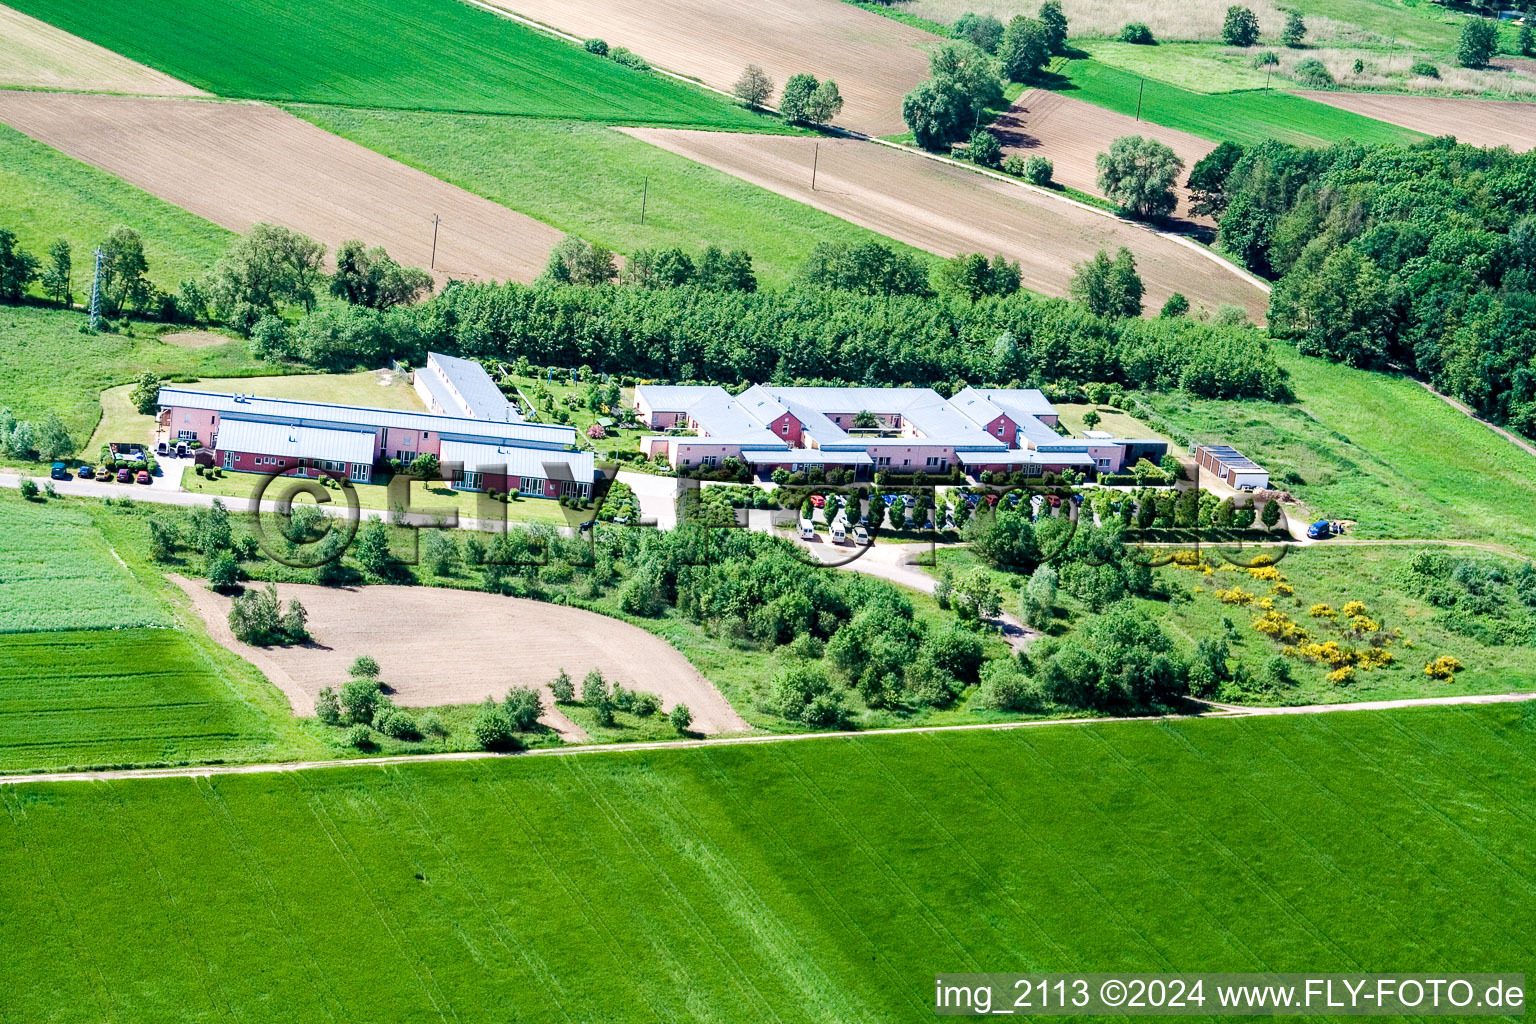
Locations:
(868, 430)
(250, 433)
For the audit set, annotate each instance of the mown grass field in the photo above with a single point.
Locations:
(47, 365)
(1242, 117)
(58, 572)
(1378, 449)
(816, 881)
(46, 195)
(590, 180)
(400, 54)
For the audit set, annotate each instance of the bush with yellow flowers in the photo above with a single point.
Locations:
(1322, 611)
(1342, 676)
(1443, 667)
(1283, 589)
(1237, 595)
(1354, 609)
(1375, 657)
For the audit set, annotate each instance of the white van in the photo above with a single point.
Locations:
(861, 536)
(839, 530)
(807, 530)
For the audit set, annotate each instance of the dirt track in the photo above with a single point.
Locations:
(1476, 122)
(874, 60)
(35, 55)
(439, 646)
(239, 163)
(949, 210)
(1071, 134)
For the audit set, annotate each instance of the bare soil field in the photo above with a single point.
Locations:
(874, 60)
(949, 210)
(35, 55)
(1476, 122)
(1071, 134)
(437, 646)
(195, 339)
(237, 164)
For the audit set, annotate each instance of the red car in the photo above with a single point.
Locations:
(143, 476)
(818, 500)
(125, 476)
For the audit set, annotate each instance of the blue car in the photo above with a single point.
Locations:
(59, 471)
(1321, 530)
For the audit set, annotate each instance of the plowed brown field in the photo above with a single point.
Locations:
(1071, 134)
(35, 55)
(1476, 122)
(237, 164)
(874, 60)
(949, 210)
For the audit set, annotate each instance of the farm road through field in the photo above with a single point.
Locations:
(438, 646)
(874, 60)
(949, 210)
(238, 163)
(1476, 122)
(203, 771)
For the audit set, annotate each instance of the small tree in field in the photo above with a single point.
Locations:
(754, 87)
(145, 395)
(364, 667)
(1108, 287)
(1270, 517)
(563, 689)
(795, 99)
(1479, 42)
(1240, 28)
(523, 707)
(1295, 29)
(681, 718)
(1055, 21)
(1138, 175)
(1090, 419)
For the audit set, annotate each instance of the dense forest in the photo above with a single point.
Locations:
(1421, 256)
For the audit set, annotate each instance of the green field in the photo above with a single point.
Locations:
(1188, 66)
(46, 195)
(1378, 449)
(1242, 117)
(400, 54)
(134, 697)
(47, 365)
(821, 881)
(58, 572)
(589, 179)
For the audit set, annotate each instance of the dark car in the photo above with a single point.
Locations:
(86, 473)
(1321, 530)
(59, 471)
(125, 476)
(143, 476)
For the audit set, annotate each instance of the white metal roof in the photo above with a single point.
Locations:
(476, 394)
(324, 414)
(1024, 457)
(807, 456)
(522, 462)
(296, 441)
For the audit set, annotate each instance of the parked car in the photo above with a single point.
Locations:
(125, 475)
(807, 530)
(861, 536)
(86, 473)
(818, 501)
(181, 449)
(59, 471)
(161, 448)
(143, 476)
(1323, 529)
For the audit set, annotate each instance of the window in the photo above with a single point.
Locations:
(361, 471)
(883, 462)
(1000, 430)
(424, 435)
(186, 417)
(935, 462)
(186, 435)
(709, 460)
(785, 428)
(530, 485)
(229, 460)
(572, 489)
(470, 481)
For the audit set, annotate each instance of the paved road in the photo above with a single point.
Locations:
(1221, 711)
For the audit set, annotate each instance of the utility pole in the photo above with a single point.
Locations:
(1139, 92)
(815, 159)
(1267, 73)
(96, 292)
(435, 221)
(645, 193)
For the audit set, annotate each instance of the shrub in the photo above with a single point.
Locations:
(681, 718)
(1039, 171)
(364, 667)
(361, 737)
(29, 488)
(1424, 69)
(524, 705)
(563, 689)
(360, 699)
(1266, 59)
(1005, 688)
(1013, 165)
(432, 725)
(628, 58)
(596, 46)
(1138, 33)
(1313, 74)
(645, 704)
(327, 707)
(1295, 29)
(1443, 667)
(492, 728)
(398, 724)
(1478, 43)
(983, 148)
(1177, 305)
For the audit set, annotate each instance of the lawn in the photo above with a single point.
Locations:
(1246, 118)
(400, 54)
(1333, 576)
(817, 881)
(590, 180)
(45, 195)
(48, 365)
(1116, 421)
(57, 572)
(1378, 449)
